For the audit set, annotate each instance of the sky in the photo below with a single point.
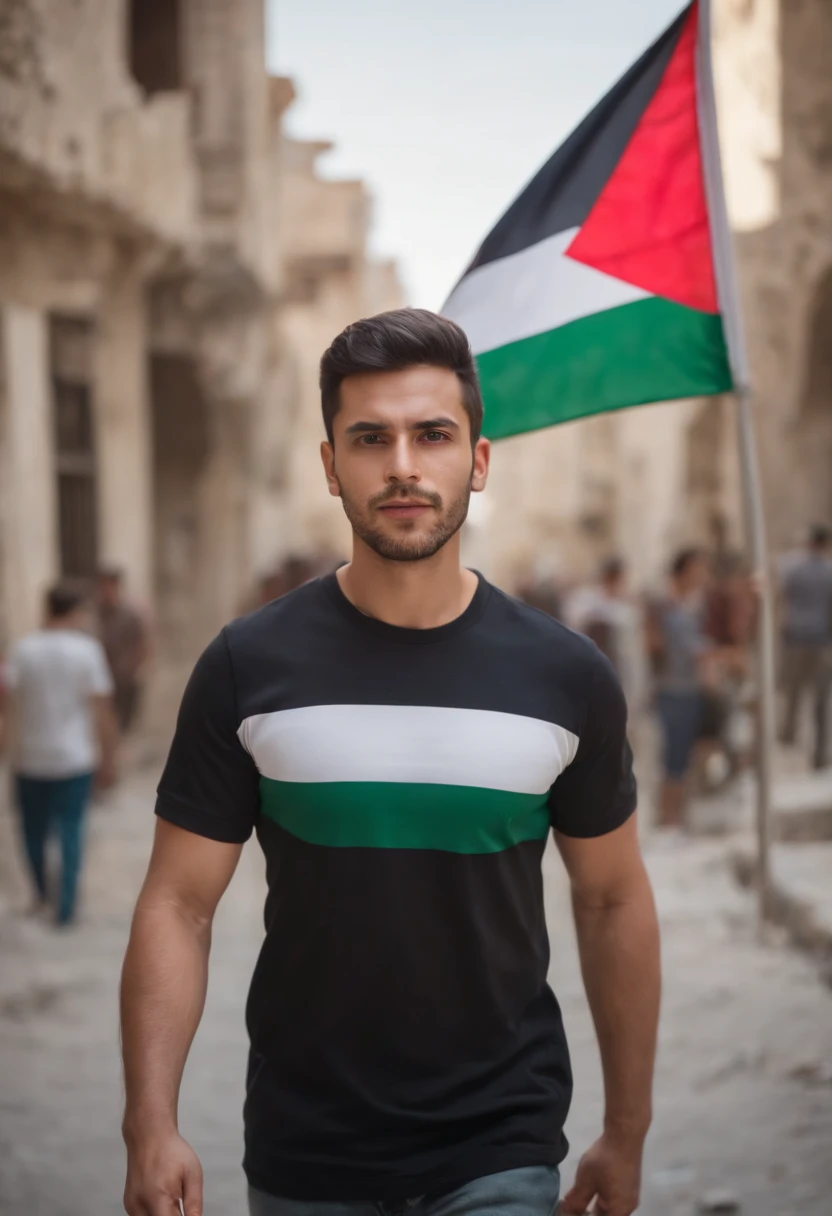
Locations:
(447, 107)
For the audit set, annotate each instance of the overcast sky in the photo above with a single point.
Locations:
(446, 107)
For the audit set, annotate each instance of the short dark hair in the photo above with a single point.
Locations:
(63, 599)
(684, 559)
(393, 341)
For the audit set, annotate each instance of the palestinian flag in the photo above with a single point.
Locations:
(597, 288)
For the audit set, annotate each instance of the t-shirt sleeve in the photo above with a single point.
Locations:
(597, 792)
(99, 679)
(210, 784)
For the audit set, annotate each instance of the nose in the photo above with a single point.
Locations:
(403, 462)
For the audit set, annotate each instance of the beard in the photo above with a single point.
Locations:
(409, 547)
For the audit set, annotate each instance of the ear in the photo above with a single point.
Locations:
(328, 459)
(482, 462)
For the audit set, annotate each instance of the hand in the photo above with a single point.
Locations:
(106, 776)
(162, 1170)
(610, 1173)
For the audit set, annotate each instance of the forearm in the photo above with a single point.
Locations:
(619, 949)
(163, 988)
(106, 729)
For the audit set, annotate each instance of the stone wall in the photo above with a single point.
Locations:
(330, 280)
(149, 199)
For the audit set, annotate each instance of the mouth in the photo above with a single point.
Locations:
(405, 509)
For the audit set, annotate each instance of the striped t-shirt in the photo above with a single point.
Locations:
(402, 784)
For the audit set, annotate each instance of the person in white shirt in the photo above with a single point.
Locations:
(62, 736)
(606, 612)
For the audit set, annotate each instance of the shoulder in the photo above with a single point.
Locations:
(85, 652)
(287, 614)
(32, 648)
(577, 674)
(548, 635)
(85, 644)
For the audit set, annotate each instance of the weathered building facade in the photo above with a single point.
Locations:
(160, 319)
(329, 281)
(650, 479)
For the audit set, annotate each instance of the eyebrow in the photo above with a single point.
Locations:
(428, 424)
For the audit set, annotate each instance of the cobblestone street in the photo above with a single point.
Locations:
(744, 1085)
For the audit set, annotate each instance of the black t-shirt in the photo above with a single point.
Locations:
(402, 783)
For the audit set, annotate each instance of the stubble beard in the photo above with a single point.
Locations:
(405, 548)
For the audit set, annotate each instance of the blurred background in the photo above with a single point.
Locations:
(195, 197)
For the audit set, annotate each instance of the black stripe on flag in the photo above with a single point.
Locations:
(564, 191)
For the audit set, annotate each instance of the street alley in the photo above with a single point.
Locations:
(744, 1084)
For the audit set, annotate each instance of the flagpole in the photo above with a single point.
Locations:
(749, 461)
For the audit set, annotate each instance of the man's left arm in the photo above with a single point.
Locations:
(592, 808)
(618, 940)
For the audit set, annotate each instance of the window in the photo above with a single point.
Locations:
(74, 441)
(156, 45)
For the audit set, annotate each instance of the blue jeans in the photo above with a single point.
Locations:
(680, 715)
(532, 1191)
(58, 804)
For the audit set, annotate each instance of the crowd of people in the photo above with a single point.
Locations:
(687, 654)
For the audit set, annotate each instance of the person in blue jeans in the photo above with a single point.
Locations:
(62, 733)
(404, 738)
(682, 658)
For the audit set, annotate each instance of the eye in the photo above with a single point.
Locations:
(434, 436)
(369, 441)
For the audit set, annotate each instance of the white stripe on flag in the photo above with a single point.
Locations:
(531, 292)
(409, 743)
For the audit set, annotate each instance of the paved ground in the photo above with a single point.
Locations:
(744, 1086)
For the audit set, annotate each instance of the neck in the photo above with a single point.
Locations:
(413, 595)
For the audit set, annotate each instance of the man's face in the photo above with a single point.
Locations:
(402, 462)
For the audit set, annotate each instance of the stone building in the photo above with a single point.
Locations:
(329, 281)
(160, 319)
(650, 479)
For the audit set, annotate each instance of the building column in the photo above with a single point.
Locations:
(123, 438)
(224, 568)
(28, 515)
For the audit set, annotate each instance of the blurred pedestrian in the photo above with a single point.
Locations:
(541, 590)
(730, 623)
(125, 636)
(806, 633)
(606, 612)
(681, 656)
(62, 731)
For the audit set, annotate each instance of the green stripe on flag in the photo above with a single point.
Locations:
(398, 815)
(651, 350)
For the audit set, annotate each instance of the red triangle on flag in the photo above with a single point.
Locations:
(649, 226)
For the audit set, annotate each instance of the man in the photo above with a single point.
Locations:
(606, 613)
(62, 730)
(124, 634)
(806, 599)
(682, 667)
(402, 736)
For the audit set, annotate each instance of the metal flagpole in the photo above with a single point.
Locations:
(751, 483)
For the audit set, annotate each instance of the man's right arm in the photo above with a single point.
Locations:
(207, 805)
(163, 989)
